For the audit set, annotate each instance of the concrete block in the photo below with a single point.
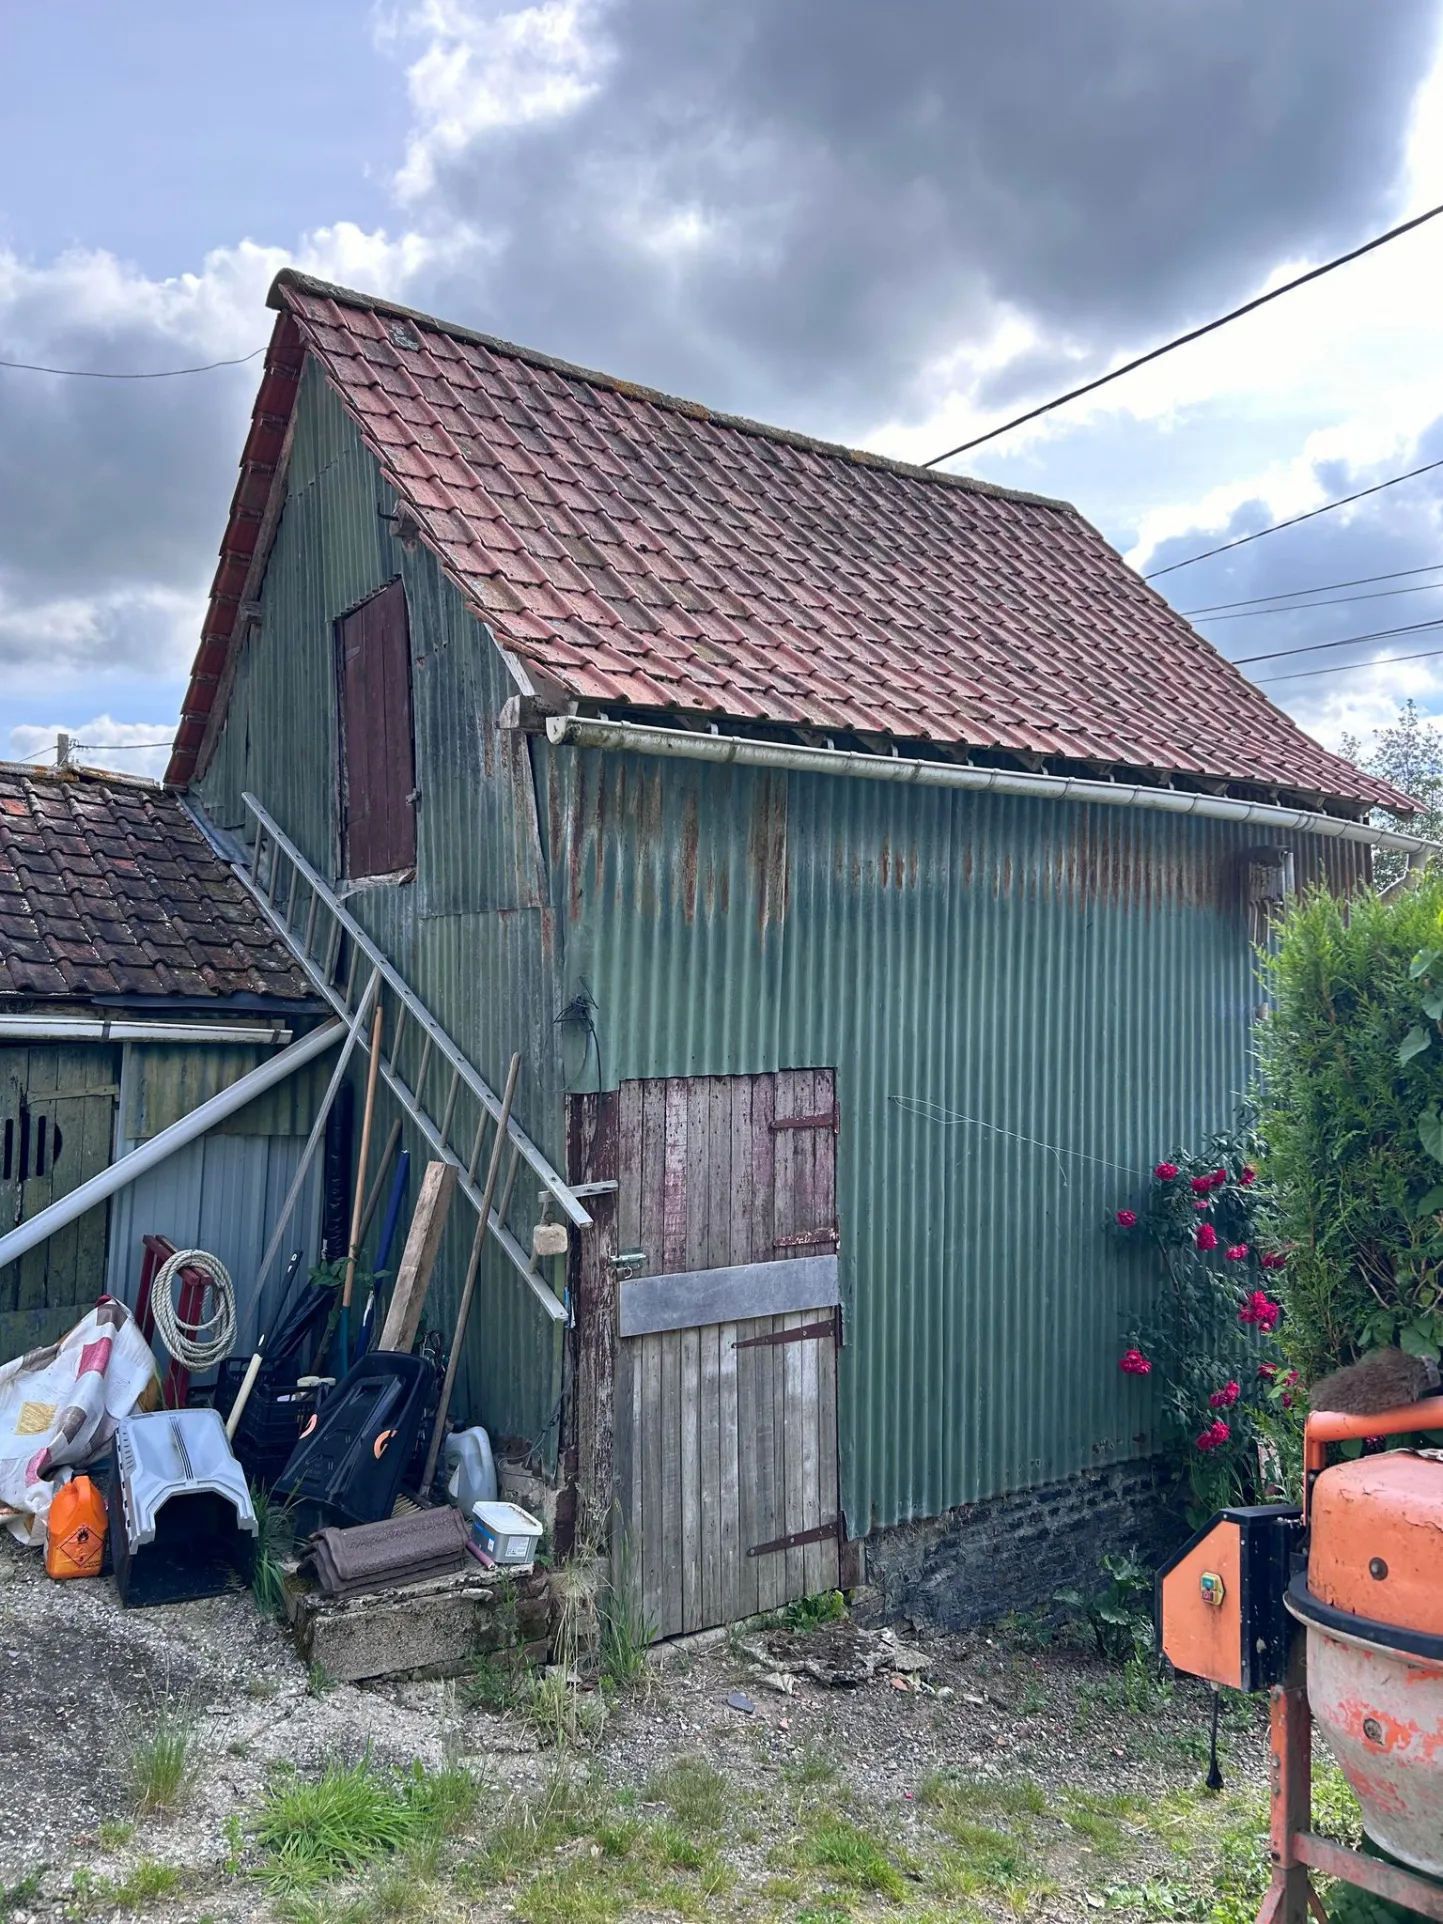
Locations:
(434, 1629)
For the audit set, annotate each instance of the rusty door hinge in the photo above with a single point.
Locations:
(821, 1534)
(805, 1333)
(806, 1237)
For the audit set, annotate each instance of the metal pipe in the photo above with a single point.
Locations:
(69, 1208)
(575, 731)
(44, 1028)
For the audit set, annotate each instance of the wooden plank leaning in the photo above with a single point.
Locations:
(418, 1258)
(463, 1309)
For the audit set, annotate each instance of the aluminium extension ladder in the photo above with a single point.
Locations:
(454, 1108)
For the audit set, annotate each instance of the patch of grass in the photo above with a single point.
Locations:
(952, 1795)
(850, 1855)
(560, 1712)
(311, 1830)
(160, 1763)
(143, 1884)
(822, 1914)
(319, 1680)
(1101, 1819)
(810, 1769)
(14, 1897)
(262, 1688)
(1336, 1811)
(115, 1833)
(274, 1540)
(494, 1684)
(810, 1613)
(627, 1632)
(698, 1795)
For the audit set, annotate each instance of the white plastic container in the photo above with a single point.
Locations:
(470, 1470)
(504, 1534)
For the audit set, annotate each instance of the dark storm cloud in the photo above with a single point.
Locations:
(873, 179)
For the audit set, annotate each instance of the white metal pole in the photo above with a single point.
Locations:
(149, 1154)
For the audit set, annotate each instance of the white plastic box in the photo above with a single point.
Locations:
(505, 1535)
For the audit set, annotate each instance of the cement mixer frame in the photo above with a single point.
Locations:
(1220, 1603)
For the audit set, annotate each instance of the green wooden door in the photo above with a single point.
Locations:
(57, 1110)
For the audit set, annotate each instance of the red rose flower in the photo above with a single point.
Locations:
(1165, 1171)
(1236, 1253)
(1127, 1219)
(1214, 1436)
(1260, 1310)
(1267, 1371)
(1224, 1398)
(1207, 1236)
(1200, 1185)
(1247, 1176)
(1134, 1363)
(1274, 1259)
(1200, 1207)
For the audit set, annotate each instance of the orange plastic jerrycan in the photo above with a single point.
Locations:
(75, 1531)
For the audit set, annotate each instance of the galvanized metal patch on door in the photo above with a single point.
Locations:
(726, 1372)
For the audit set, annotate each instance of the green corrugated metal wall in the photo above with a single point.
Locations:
(1026, 1003)
(471, 936)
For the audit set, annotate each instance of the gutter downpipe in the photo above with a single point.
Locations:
(574, 731)
(125, 1171)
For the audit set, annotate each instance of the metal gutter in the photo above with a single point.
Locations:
(69, 1208)
(574, 731)
(40, 1028)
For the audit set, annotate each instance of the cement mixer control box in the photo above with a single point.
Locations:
(1220, 1610)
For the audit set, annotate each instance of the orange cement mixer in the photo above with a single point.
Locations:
(1338, 1610)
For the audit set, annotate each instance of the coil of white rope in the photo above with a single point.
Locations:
(202, 1345)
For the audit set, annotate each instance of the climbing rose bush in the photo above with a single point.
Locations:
(1208, 1341)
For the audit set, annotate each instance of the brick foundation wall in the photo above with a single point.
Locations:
(1011, 1553)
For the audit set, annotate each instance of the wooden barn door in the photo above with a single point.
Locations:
(57, 1108)
(727, 1326)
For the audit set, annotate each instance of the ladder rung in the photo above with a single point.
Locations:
(450, 1109)
(311, 922)
(476, 1146)
(421, 1072)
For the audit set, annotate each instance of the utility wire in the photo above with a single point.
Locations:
(101, 374)
(1322, 588)
(1347, 667)
(1195, 334)
(1348, 641)
(120, 748)
(1293, 520)
(1332, 601)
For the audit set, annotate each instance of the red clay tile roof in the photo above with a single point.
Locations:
(108, 888)
(643, 553)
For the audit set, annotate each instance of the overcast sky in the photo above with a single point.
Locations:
(892, 225)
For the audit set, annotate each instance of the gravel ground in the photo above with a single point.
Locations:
(81, 1681)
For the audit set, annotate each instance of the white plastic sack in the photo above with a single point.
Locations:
(60, 1405)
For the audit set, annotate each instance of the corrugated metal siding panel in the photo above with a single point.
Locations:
(471, 934)
(1026, 1003)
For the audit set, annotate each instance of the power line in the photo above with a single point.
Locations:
(1347, 667)
(1348, 641)
(1322, 588)
(1195, 334)
(1243, 539)
(1332, 601)
(120, 748)
(156, 374)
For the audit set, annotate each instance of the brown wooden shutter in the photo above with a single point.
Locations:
(378, 757)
